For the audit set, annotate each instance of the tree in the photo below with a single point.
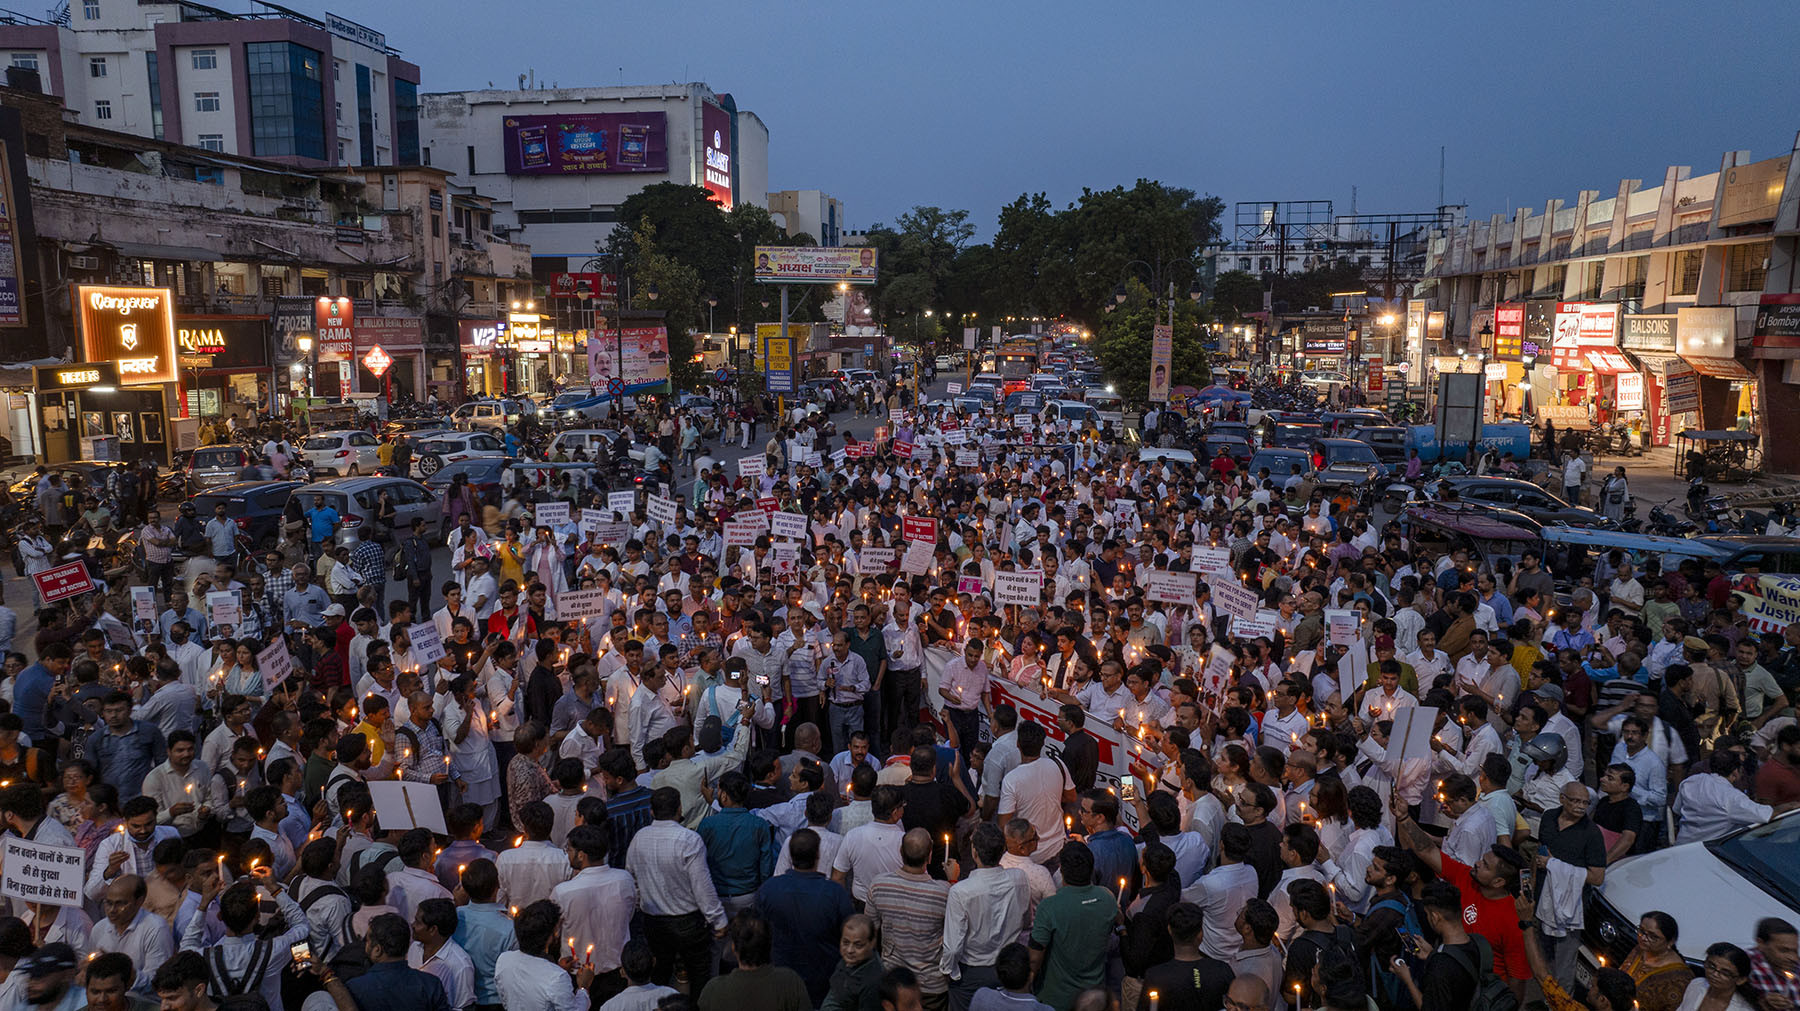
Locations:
(1125, 336)
(678, 295)
(1237, 293)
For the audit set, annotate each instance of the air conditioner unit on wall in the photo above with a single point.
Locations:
(84, 263)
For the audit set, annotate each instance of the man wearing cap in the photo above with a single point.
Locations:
(50, 979)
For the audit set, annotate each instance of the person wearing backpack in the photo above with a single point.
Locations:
(1382, 934)
(1318, 934)
(1459, 972)
(245, 969)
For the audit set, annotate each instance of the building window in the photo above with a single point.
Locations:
(365, 116)
(1592, 272)
(206, 101)
(206, 59)
(406, 124)
(96, 66)
(340, 112)
(25, 61)
(287, 100)
(156, 108)
(212, 141)
(1636, 279)
(1746, 266)
(103, 109)
(342, 150)
(1686, 276)
(90, 9)
(437, 226)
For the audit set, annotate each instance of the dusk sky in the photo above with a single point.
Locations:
(967, 105)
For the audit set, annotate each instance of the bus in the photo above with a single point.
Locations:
(1016, 360)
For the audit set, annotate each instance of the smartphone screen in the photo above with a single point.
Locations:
(301, 953)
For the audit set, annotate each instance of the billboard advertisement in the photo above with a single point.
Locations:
(332, 320)
(586, 143)
(604, 287)
(815, 264)
(1649, 333)
(1323, 337)
(1540, 327)
(1509, 331)
(1778, 326)
(132, 326)
(645, 351)
(1162, 349)
(716, 147)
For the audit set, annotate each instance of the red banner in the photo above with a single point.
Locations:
(919, 528)
(63, 582)
(1375, 377)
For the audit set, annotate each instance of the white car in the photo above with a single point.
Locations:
(1716, 890)
(494, 414)
(345, 453)
(455, 447)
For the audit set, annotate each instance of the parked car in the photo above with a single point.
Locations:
(255, 506)
(1524, 497)
(431, 455)
(1281, 461)
(1074, 412)
(1292, 434)
(1716, 890)
(344, 453)
(354, 499)
(502, 413)
(1346, 452)
(1338, 423)
(1234, 447)
(699, 403)
(944, 363)
(213, 466)
(483, 474)
(1388, 441)
(576, 406)
(586, 439)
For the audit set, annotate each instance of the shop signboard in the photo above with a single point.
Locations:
(223, 343)
(1681, 389)
(1649, 333)
(1509, 331)
(134, 327)
(1752, 192)
(1629, 390)
(586, 144)
(76, 376)
(777, 358)
(1540, 327)
(332, 320)
(1435, 324)
(388, 331)
(1778, 327)
(479, 336)
(715, 127)
(1706, 332)
(1323, 337)
(1566, 337)
(815, 264)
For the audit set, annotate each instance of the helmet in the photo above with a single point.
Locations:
(1546, 747)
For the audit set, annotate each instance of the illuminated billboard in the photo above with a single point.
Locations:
(586, 143)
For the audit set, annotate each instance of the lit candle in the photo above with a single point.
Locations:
(1155, 999)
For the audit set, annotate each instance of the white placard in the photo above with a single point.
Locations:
(39, 872)
(1218, 672)
(1025, 588)
(956, 437)
(621, 502)
(917, 559)
(1263, 624)
(550, 514)
(1353, 670)
(575, 604)
(953, 389)
(1213, 563)
(742, 531)
(874, 561)
(1235, 600)
(661, 510)
(1022, 421)
(968, 458)
(275, 663)
(593, 519)
(813, 458)
(222, 606)
(427, 644)
(1125, 510)
(1342, 626)
(896, 415)
(612, 533)
(1170, 587)
(1413, 727)
(790, 526)
(143, 603)
(400, 805)
(752, 466)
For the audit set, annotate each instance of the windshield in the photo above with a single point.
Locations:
(1280, 464)
(1765, 855)
(218, 457)
(1352, 452)
(321, 442)
(1016, 366)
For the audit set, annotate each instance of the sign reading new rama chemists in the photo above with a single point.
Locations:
(134, 327)
(75, 376)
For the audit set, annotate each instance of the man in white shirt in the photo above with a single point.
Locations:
(1222, 893)
(871, 850)
(650, 716)
(1713, 804)
(434, 952)
(985, 912)
(1474, 832)
(483, 593)
(530, 870)
(132, 930)
(682, 911)
(1037, 791)
(597, 903)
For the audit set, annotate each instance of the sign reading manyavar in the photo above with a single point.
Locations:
(134, 327)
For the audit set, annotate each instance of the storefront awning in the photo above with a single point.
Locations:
(1654, 363)
(1608, 363)
(1718, 368)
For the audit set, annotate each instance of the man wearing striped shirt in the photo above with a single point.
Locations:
(908, 905)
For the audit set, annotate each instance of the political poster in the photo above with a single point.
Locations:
(40, 872)
(1162, 350)
(1170, 587)
(427, 644)
(1024, 588)
(551, 514)
(276, 663)
(919, 528)
(661, 510)
(874, 561)
(788, 526)
(621, 502)
(968, 584)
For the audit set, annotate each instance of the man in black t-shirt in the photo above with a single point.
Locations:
(1453, 969)
(1618, 814)
(1190, 981)
(931, 803)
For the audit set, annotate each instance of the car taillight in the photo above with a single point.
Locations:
(352, 521)
(341, 453)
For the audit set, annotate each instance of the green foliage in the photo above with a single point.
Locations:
(1124, 336)
(678, 295)
(1237, 293)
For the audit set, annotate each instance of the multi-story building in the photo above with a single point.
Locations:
(809, 212)
(1671, 304)
(558, 162)
(247, 250)
(276, 85)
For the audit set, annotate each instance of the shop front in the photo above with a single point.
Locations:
(114, 404)
(479, 340)
(401, 340)
(527, 349)
(333, 377)
(571, 358)
(1706, 339)
(225, 364)
(1648, 342)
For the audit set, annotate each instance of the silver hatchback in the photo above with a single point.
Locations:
(355, 500)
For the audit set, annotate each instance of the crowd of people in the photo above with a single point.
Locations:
(887, 726)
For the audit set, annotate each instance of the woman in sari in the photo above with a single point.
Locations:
(1661, 974)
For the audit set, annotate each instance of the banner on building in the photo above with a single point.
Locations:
(1162, 350)
(1509, 331)
(586, 143)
